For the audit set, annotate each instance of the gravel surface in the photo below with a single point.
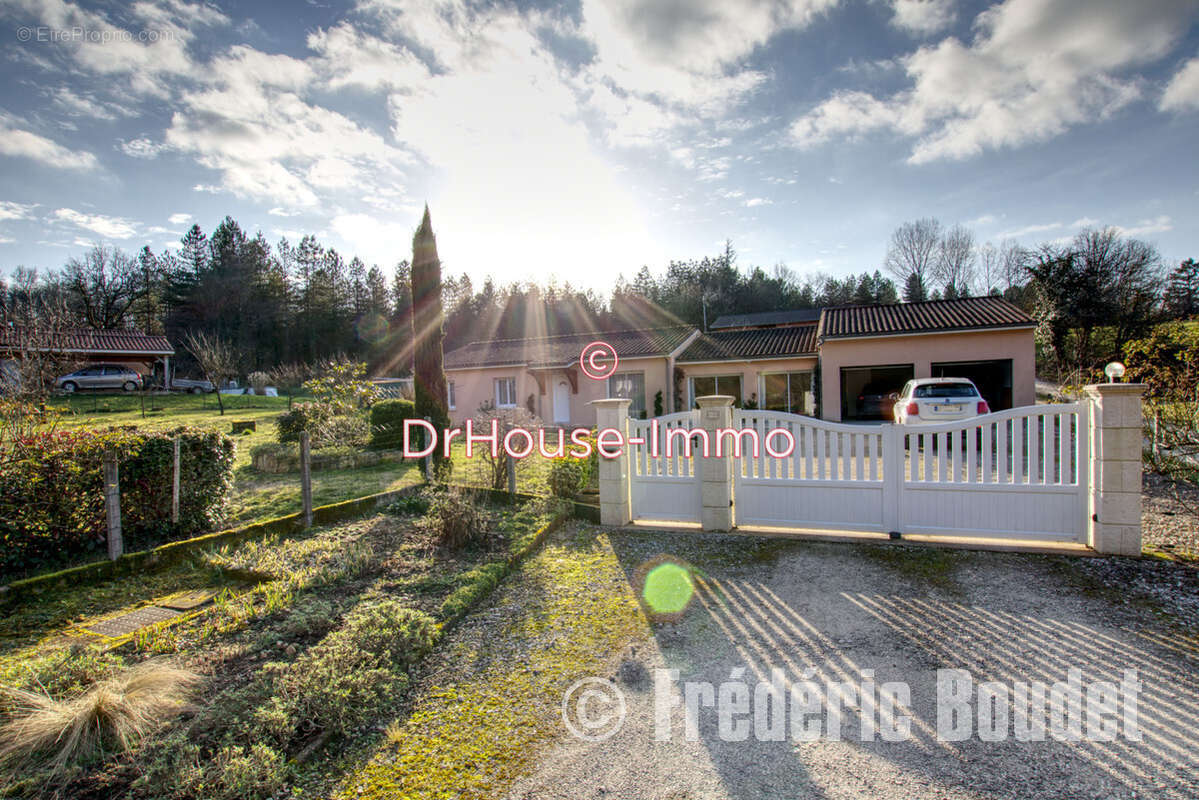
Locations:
(1170, 515)
(830, 611)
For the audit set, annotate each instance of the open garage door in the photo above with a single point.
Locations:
(866, 391)
(993, 379)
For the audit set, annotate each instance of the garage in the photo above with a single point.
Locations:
(993, 378)
(866, 392)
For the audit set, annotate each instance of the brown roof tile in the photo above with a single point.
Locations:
(82, 340)
(557, 351)
(794, 340)
(968, 313)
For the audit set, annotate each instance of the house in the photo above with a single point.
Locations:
(81, 346)
(838, 363)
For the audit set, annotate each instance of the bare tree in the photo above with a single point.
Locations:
(990, 261)
(954, 267)
(912, 256)
(36, 322)
(1013, 264)
(215, 358)
(103, 286)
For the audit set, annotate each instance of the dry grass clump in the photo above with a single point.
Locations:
(111, 715)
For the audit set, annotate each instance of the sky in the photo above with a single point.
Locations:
(580, 141)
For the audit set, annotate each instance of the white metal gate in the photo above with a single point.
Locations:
(1017, 474)
(832, 479)
(663, 488)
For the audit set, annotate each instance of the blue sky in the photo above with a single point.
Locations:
(584, 140)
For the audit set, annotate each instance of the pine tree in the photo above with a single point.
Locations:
(914, 290)
(427, 320)
(1182, 291)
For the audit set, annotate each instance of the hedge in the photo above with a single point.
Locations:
(387, 423)
(52, 493)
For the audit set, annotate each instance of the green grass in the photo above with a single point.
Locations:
(257, 496)
(163, 412)
(532, 473)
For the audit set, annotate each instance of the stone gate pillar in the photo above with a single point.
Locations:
(616, 506)
(1114, 474)
(716, 472)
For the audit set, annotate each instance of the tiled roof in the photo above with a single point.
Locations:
(970, 313)
(766, 318)
(83, 340)
(795, 340)
(558, 351)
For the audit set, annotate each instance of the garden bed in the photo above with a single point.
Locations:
(259, 642)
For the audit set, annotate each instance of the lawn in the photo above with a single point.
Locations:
(299, 667)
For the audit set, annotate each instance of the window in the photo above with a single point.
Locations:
(704, 385)
(946, 390)
(449, 390)
(632, 386)
(505, 392)
(787, 391)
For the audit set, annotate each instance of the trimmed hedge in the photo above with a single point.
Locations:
(387, 423)
(52, 493)
(301, 417)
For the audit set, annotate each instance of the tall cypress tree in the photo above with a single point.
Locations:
(427, 335)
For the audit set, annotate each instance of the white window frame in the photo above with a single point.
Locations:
(450, 399)
(811, 393)
(633, 412)
(511, 393)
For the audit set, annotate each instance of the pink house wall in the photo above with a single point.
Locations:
(750, 372)
(473, 387)
(922, 351)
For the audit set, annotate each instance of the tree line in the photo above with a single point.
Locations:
(305, 302)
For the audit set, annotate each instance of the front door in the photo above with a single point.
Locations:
(562, 402)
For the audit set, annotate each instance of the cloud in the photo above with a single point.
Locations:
(923, 17)
(141, 148)
(207, 188)
(348, 57)
(84, 105)
(1028, 230)
(1182, 93)
(985, 219)
(24, 144)
(108, 227)
(10, 210)
(753, 202)
(252, 124)
(1034, 69)
(1084, 222)
(145, 56)
(6, 240)
(179, 219)
(1145, 227)
(283, 212)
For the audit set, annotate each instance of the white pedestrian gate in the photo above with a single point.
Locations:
(663, 488)
(1017, 474)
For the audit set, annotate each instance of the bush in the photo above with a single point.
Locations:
(387, 422)
(301, 417)
(568, 476)
(52, 492)
(455, 520)
(340, 683)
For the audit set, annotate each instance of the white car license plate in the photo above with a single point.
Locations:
(952, 408)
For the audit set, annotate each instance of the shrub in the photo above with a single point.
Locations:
(52, 499)
(301, 417)
(341, 682)
(258, 380)
(113, 714)
(387, 422)
(455, 520)
(341, 430)
(568, 476)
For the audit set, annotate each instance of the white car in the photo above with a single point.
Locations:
(930, 400)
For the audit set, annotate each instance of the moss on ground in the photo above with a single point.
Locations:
(494, 692)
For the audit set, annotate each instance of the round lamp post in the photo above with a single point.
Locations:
(1114, 371)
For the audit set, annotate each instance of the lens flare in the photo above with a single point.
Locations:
(668, 588)
(372, 328)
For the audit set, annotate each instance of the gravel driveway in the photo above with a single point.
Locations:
(829, 611)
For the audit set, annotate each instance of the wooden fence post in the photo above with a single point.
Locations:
(306, 477)
(511, 464)
(429, 460)
(175, 485)
(112, 505)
